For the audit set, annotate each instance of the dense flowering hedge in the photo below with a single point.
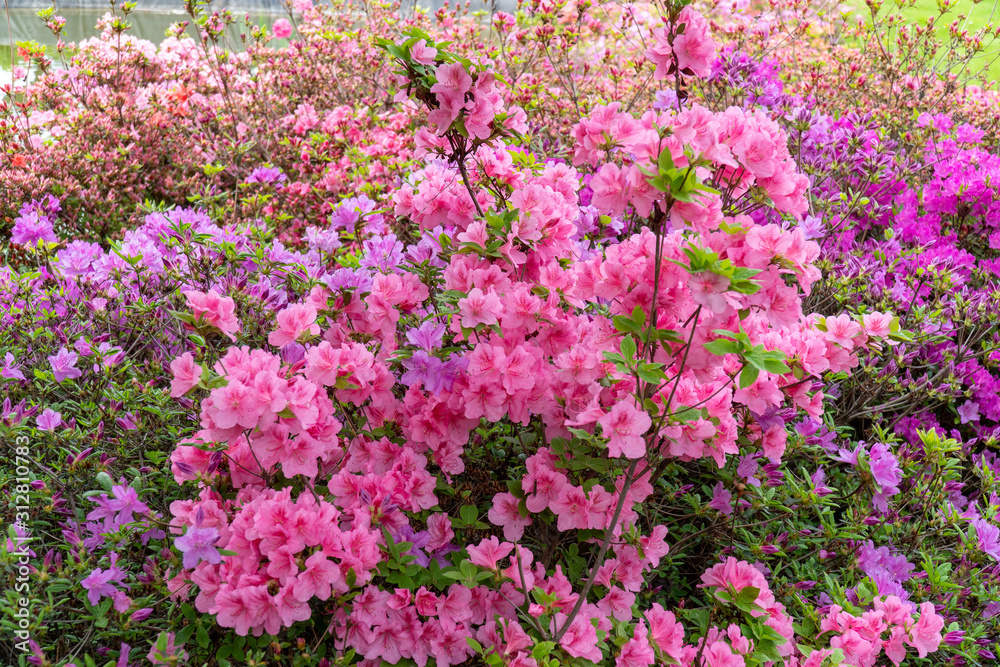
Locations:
(580, 336)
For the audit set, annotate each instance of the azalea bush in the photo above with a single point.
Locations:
(581, 335)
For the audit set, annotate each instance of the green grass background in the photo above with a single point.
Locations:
(978, 16)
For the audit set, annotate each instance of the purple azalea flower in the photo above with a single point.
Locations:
(968, 412)
(266, 176)
(722, 500)
(63, 365)
(384, 253)
(30, 228)
(322, 240)
(427, 336)
(49, 420)
(111, 355)
(141, 614)
(120, 510)
(886, 472)
(773, 416)
(888, 571)
(989, 537)
(812, 227)
(100, 583)
(421, 368)
(198, 544)
(10, 370)
(83, 347)
(78, 258)
(818, 479)
(849, 456)
(450, 370)
(293, 352)
(747, 469)
(350, 211)
(127, 503)
(125, 648)
(666, 100)
(127, 422)
(954, 638)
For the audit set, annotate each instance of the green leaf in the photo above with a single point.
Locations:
(542, 649)
(469, 513)
(628, 347)
(722, 346)
(651, 373)
(665, 161)
(627, 325)
(748, 376)
(104, 479)
(776, 367)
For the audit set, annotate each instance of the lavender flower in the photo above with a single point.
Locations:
(100, 582)
(427, 336)
(421, 368)
(886, 570)
(198, 544)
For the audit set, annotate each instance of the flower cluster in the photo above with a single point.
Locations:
(473, 347)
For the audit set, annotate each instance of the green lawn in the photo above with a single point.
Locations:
(978, 15)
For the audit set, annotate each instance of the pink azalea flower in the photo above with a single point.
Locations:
(282, 28)
(187, 374)
(294, 321)
(423, 54)
(489, 552)
(719, 654)
(611, 189)
(637, 652)
(877, 325)
(505, 513)
(453, 82)
(926, 634)
(479, 308)
(694, 47)
(842, 330)
(241, 608)
(580, 640)
(625, 427)
(215, 310)
(572, 507)
(665, 631)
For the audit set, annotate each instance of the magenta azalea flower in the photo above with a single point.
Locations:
(63, 365)
(49, 420)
